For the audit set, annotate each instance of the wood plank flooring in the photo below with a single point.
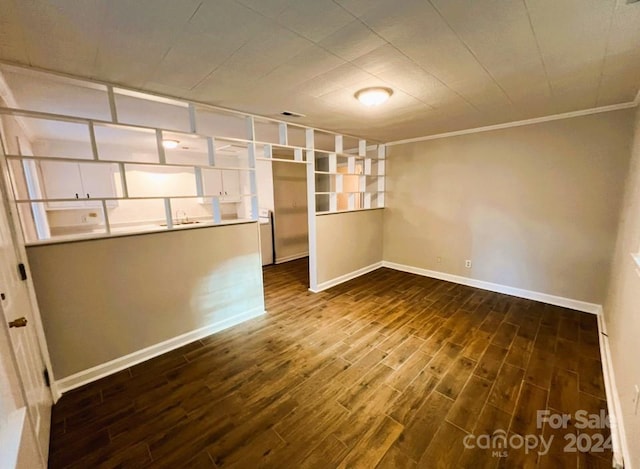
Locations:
(390, 370)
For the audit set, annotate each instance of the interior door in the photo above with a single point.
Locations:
(23, 338)
(18, 447)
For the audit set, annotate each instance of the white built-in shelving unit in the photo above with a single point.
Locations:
(87, 159)
(351, 180)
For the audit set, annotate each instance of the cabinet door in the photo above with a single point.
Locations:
(231, 185)
(97, 182)
(212, 182)
(61, 180)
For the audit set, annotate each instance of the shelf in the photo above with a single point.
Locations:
(353, 192)
(122, 162)
(349, 211)
(136, 151)
(349, 174)
(349, 155)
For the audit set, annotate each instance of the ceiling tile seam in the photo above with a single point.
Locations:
(542, 61)
(428, 72)
(195, 12)
(535, 120)
(27, 46)
(97, 52)
(297, 34)
(177, 34)
(473, 54)
(606, 52)
(317, 44)
(221, 64)
(285, 26)
(100, 39)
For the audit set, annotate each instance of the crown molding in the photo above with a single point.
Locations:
(535, 120)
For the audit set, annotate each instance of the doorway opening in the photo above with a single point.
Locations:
(284, 223)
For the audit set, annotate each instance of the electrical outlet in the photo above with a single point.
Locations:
(467, 263)
(438, 259)
(636, 398)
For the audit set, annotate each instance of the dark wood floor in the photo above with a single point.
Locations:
(390, 370)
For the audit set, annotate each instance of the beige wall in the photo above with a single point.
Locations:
(533, 207)
(103, 299)
(291, 225)
(347, 242)
(622, 306)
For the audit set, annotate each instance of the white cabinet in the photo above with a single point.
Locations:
(79, 182)
(61, 180)
(97, 180)
(224, 183)
(231, 185)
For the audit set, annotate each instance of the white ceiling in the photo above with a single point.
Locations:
(453, 64)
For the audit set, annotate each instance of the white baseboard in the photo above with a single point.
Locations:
(495, 287)
(346, 277)
(100, 371)
(292, 257)
(618, 438)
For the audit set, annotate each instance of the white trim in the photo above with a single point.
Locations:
(100, 371)
(311, 220)
(618, 439)
(292, 257)
(11, 434)
(346, 277)
(636, 101)
(535, 120)
(619, 445)
(55, 392)
(498, 288)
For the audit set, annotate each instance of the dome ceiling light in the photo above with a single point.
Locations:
(373, 96)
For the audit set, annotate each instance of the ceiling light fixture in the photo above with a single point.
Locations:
(170, 144)
(373, 96)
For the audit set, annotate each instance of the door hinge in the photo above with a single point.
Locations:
(47, 380)
(23, 271)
